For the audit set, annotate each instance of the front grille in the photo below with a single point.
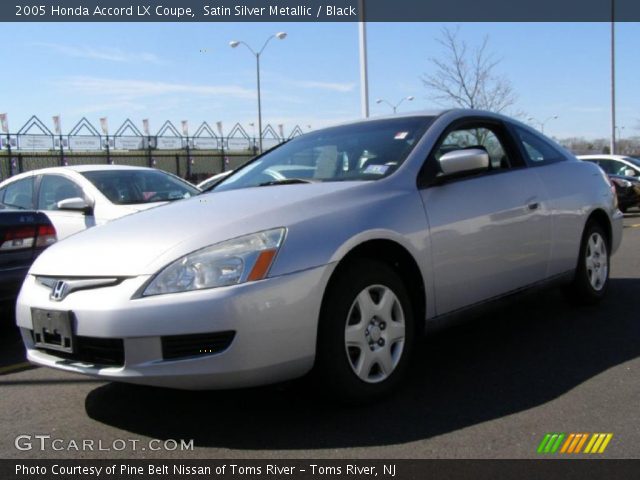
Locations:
(181, 346)
(98, 351)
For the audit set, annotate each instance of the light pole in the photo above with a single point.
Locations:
(395, 107)
(619, 134)
(544, 122)
(234, 44)
(364, 74)
(612, 148)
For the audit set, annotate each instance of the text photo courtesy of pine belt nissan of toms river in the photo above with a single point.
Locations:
(327, 254)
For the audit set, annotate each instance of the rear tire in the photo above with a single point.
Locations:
(592, 273)
(366, 332)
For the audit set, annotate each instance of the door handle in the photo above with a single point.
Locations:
(533, 206)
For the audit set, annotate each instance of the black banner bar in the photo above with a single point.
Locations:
(319, 11)
(360, 469)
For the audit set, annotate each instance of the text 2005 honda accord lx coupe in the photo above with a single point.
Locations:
(328, 252)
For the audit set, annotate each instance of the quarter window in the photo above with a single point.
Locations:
(19, 194)
(536, 149)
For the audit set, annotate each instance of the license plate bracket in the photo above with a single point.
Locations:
(52, 330)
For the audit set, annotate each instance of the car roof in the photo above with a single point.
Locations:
(73, 169)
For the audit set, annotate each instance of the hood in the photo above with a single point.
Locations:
(145, 242)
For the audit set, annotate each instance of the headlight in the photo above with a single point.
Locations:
(243, 259)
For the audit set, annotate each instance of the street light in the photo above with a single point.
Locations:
(544, 122)
(234, 44)
(395, 107)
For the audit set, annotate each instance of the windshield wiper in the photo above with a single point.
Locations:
(286, 181)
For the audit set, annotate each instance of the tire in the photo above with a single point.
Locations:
(591, 279)
(366, 332)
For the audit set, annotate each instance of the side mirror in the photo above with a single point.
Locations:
(630, 172)
(75, 203)
(460, 161)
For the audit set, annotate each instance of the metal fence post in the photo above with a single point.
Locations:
(150, 159)
(222, 169)
(20, 165)
(108, 152)
(61, 151)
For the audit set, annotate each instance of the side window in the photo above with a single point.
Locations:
(607, 165)
(536, 149)
(19, 194)
(480, 137)
(54, 188)
(619, 167)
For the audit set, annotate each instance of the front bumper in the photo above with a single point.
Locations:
(274, 320)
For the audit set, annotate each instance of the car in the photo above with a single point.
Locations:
(615, 164)
(78, 197)
(627, 191)
(23, 236)
(387, 225)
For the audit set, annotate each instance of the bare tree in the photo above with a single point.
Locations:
(465, 77)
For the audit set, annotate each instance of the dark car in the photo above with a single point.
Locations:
(23, 235)
(627, 191)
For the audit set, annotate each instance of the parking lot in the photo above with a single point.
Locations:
(488, 388)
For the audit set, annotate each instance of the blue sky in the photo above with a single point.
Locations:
(158, 71)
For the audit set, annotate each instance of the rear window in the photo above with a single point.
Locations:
(127, 187)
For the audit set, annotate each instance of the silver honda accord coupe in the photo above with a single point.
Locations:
(329, 253)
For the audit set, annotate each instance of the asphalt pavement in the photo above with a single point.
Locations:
(491, 387)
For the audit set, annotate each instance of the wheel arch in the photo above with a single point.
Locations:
(600, 217)
(398, 257)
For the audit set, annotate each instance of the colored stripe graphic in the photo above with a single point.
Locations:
(598, 442)
(573, 443)
(551, 442)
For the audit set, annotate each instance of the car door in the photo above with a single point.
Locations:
(54, 188)
(489, 232)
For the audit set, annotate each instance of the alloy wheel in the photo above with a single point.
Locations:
(375, 333)
(596, 261)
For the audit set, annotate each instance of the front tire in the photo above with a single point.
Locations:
(366, 332)
(592, 273)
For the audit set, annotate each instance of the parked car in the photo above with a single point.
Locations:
(615, 164)
(627, 191)
(23, 236)
(78, 197)
(387, 224)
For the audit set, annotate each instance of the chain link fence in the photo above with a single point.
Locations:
(193, 166)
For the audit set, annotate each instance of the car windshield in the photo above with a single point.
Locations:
(362, 151)
(127, 187)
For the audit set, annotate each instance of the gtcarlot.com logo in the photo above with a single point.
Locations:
(573, 443)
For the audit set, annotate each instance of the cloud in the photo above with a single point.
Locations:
(332, 86)
(107, 54)
(129, 89)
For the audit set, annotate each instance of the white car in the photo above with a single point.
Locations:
(615, 164)
(78, 197)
